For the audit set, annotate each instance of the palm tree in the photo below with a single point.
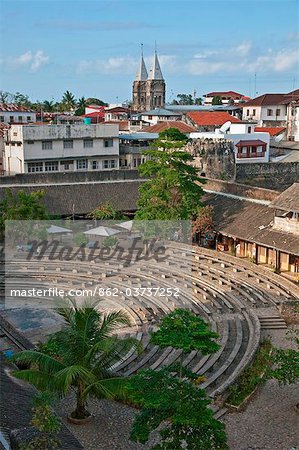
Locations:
(81, 103)
(84, 357)
(48, 105)
(68, 100)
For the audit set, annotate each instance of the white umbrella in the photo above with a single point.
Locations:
(126, 225)
(102, 231)
(54, 229)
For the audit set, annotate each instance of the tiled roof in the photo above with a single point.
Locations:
(267, 100)
(210, 118)
(251, 222)
(254, 142)
(161, 126)
(117, 109)
(231, 94)
(273, 131)
(12, 107)
(95, 114)
(123, 124)
(288, 200)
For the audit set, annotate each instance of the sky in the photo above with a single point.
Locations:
(92, 47)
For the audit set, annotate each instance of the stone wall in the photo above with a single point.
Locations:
(277, 176)
(241, 190)
(214, 158)
(69, 177)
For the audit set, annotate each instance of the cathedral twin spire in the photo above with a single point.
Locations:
(155, 71)
(148, 88)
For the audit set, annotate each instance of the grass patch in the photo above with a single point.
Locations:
(252, 375)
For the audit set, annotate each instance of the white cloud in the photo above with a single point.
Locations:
(30, 60)
(241, 58)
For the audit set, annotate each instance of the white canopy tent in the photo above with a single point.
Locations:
(55, 229)
(102, 231)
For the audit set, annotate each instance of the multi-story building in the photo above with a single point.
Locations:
(59, 148)
(249, 146)
(11, 113)
(225, 96)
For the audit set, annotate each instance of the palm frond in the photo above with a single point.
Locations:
(46, 363)
(114, 350)
(109, 388)
(41, 380)
(70, 375)
(111, 321)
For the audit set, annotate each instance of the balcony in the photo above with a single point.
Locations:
(251, 155)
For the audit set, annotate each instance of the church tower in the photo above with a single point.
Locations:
(140, 87)
(155, 94)
(148, 90)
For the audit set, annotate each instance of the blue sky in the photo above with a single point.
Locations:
(92, 47)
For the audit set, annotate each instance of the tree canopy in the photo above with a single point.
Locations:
(172, 191)
(184, 330)
(180, 407)
(217, 100)
(187, 99)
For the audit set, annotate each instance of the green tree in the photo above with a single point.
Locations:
(68, 101)
(46, 422)
(87, 352)
(22, 206)
(184, 330)
(187, 99)
(95, 101)
(216, 100)
(180, 407)
(106, 211)
(172, 191)
(81, 103)
(203, 222)
(21, 99)
(6, 97)
(48, 105)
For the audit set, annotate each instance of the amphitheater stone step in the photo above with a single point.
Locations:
(272, 323)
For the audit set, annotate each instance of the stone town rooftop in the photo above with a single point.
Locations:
(288, 200)
(243, 219)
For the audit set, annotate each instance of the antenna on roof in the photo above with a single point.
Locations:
(141, 45)
(155, 46)
(225, 127)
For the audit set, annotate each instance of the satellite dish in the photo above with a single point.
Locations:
(278, 138)
(225, 127)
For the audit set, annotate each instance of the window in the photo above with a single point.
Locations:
(108, 143)
(150, 117)
(136, 162)
(95, 165)
(35, 167)
(11, 119)
(278, 112)
(15, 133)
(247, 112)
(47, 145)
(249, 129)
(87, 143)
(20, 119)
(260, 149)
(1, 118)
(109, 164)
(30, 142)
(65, 165)
(28, 118)
(81, 164)
(253, 112)
(244, 149)
(51, 166)
(68, 143)
(269, 112)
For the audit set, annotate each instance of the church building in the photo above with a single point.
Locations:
(148, 89)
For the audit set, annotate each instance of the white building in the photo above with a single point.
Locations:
(267, 110)
(249, 146)
(11, 113)
(60, 148)
(159, 115)
(226, 97)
